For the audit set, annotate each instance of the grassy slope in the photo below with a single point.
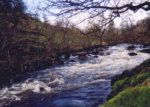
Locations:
(131, 89)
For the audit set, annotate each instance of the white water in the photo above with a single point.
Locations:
(76, 74)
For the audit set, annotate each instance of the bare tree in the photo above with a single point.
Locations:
(95, 7)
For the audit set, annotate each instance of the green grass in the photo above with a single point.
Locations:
(133, 97)
(127, 82)
(132, 88)
(138, 79)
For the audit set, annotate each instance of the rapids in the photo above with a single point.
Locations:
(75, 84)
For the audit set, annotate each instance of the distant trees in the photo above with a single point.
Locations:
(94, 9)
(135, 33)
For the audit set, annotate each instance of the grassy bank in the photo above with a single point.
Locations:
(132, 88)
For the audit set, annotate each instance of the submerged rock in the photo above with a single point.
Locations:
(95, 53)
(67, 55)
(82, 57)
(60, 62)
(41, 89)
(72, 60)
(132, 54)
(104, 53)
(95, 56)
(131, 47)
(145, 51)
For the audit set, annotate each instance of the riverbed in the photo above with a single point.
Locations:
(77, 83)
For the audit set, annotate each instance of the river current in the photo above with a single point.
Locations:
(77, 83)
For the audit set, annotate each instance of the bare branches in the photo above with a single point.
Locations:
(70, 6)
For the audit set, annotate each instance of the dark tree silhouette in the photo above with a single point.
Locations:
(11, 13)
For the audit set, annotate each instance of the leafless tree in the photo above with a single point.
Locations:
(110, 9)
(95, 7)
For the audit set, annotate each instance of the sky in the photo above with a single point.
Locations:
(133, 17)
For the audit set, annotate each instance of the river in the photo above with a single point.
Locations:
(77, 83)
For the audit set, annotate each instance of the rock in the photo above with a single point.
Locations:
(72, 60)
(95, 56)
(145, 51)
(132, 54)
(67, 55)
(82, 57)
(60, 62)
(104, 53)
(95, 53)
(89, 54)
(74, 54)
(146, 45)
(131, 47)
(42, 89)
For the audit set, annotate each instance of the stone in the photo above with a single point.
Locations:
(67, 55)
(42, 89)
(82, 57)
(60, 62)
(72, 60)
(95, 56)
(94, 53)
(104, 53)
(131, 47)
(132, 54)
(145, 51)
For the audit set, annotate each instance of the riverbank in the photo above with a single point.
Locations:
(131, 88)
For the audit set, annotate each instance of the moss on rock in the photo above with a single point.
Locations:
(133, 97)
(132, 88)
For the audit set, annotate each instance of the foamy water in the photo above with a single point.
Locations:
(93, 74)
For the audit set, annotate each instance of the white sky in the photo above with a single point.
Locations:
(134, 17)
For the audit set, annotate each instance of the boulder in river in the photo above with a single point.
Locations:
(145, 51)
(132, 54)
(131, 47)
(95, 56)
(104, 53)
(41, 89)
(72, 60)
(95, 52)
(82, 57)
(60, 62)
(67, 55)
